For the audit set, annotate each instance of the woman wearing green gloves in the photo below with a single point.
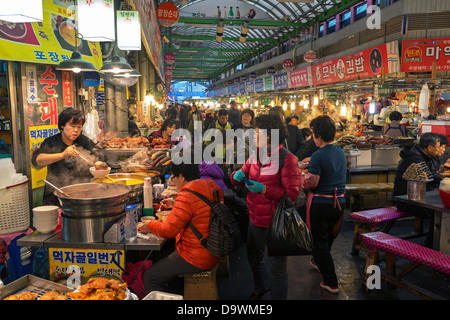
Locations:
(266, 185)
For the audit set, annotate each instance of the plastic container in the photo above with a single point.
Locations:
(14, 209)
(130, 223)
(159, 295)
(445, 197)
(148, 197)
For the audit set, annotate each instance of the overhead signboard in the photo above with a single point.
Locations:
(361, 64)
(418, 55)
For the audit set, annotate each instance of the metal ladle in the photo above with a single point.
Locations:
(57, 189)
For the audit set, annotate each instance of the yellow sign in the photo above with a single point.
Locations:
(48, 42)
(37, 135)
(89, 262)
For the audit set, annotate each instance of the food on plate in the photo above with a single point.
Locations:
(99, 288)
(162, 215)
(99, 165)
(27, 295)
(53, 295)
(445, 169)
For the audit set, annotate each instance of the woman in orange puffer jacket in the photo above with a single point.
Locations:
(190, 256)
(268, 185)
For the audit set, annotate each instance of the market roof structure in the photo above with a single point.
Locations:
(198, 54)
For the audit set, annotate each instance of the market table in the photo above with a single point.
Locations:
(441, 239)
(53, 240)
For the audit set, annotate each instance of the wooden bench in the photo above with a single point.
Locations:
(359, 190)
(396, 247)
(200, 285)
(370, 221)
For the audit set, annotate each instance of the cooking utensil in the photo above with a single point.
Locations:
(114, 181)
(57, 189)
(91, 163)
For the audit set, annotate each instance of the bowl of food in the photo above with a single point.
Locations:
(100, 169)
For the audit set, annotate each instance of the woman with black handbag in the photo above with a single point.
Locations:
(325, 181)
(262, 178)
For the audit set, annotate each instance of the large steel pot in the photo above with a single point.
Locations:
(134, 181)
(90, 210)
(90, 200)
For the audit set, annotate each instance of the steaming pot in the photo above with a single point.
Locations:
(91, 209)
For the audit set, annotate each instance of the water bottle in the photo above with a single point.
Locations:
(238, 13)
(130, 223)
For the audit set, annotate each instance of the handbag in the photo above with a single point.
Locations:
(288, 233)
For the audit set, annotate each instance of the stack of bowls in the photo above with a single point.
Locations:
(45, 218)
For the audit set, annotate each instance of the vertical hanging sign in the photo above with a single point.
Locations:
(67, 89)
(32, 95)
(128, 30)
(96, 20)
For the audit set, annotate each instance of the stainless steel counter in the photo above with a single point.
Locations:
(53, 240)
(373, 168)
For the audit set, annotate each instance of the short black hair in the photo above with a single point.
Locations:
(68, 114)
(272, 121)
(306, 132)
(250, 112)
(189, 171)
(223, 112)
(443, 138)
(395, 116)
(324, 127)
(429, 139)
(168, 123)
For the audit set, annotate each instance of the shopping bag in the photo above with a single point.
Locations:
(133, 274)
(288, 233)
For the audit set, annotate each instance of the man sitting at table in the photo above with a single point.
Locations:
(190, 256)
(428, 150)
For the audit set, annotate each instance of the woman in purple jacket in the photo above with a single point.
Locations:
(267, 185)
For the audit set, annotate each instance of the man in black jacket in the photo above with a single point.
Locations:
(428, 150)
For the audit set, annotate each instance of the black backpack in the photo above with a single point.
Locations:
(224, 235)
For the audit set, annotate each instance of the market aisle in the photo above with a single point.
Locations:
(304, 279)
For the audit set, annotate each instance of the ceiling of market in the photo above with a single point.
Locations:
(198, 56)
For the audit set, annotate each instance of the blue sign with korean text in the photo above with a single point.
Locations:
(280, 81)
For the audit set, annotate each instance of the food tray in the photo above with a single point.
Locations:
(33, 284)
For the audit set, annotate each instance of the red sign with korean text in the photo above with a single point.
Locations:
(67, 88)
(418, 55)
(362, 64)
(167, 14)
(300, 77)
(169, 58)
(49, 109)
(288, 63)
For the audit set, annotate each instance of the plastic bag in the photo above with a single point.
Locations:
(133, 276)
(288, 233)
(90, 127)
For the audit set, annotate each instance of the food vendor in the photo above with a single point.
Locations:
(394, 129)
(60, 153)
(166, 131)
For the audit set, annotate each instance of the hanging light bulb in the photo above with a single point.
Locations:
(292, 105)
(116, 66)
(76, 64)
